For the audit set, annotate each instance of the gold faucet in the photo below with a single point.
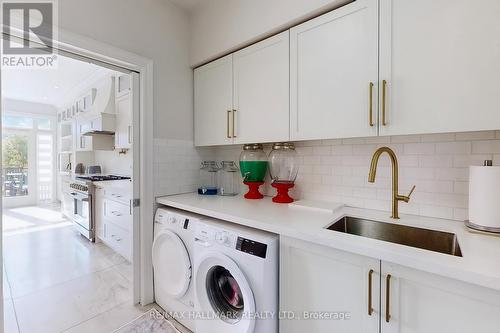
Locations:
(396, 197)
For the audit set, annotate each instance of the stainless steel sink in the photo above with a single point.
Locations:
(431, 240)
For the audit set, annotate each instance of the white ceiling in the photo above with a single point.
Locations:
(48, 86)
(187, 4)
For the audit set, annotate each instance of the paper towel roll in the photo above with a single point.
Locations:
(484, 196)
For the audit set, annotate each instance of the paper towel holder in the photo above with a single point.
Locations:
(481, 228)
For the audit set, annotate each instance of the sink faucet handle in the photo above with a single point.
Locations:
(411, 191)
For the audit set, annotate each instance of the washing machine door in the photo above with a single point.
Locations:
(171, 264)
(223, 292)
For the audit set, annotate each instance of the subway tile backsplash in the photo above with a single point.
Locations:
(337, 170)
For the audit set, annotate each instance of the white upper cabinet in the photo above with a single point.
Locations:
(213, 103)
(261, 91)
(333, 70)
(440, 60)
(427, 303)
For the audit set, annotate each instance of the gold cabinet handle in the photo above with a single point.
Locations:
(388, 298)
(370, 277)
(234, 116)
(371, 104)
(228, 133)
(384, 91)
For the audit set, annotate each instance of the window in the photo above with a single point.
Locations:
(17, 122)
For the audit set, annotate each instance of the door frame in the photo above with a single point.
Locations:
(83, 47)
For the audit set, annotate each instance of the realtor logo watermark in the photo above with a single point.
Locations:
(29, 30)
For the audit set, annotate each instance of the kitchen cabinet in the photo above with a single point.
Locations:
(123, 85)
(213, 103)
(316, 279)
(440, 63)
(427, 303)
(114, 217)
(334, 74)
(244, 97)
(123, 125)
(83, 142)
(261, 91)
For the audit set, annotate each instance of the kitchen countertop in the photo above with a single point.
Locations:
(479, 265)
(120, 183)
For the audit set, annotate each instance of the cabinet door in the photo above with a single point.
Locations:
(213, 103)
(420, 302)
(123, 132)
(440, 61)
(83, 142)
(316, 279)
(333, 63)
(99, 212)
(123, 85)
(261, 88)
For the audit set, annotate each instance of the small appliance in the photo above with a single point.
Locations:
(172, 263)
(235, 278)
(94, 169)
(253, 167)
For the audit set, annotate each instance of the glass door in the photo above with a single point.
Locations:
(18, 157)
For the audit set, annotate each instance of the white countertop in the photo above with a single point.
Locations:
(120, 183)
(479, 265)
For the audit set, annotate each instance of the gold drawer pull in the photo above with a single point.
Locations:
(388, 298)
(370, 308)
(228, 133)
(234, 116)
(371, 104)
(384, 91)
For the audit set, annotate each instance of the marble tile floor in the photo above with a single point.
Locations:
(56, 281)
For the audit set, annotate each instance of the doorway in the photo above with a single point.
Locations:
(52, 247)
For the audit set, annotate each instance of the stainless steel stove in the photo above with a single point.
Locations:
(82, 193)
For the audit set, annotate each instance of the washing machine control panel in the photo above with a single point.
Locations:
(167, 218)
(215, 236)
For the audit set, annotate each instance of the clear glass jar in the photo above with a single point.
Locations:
(229, 179)
(283, 163)
(208, 178)
(253, 163)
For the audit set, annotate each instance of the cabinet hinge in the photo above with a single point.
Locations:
(136, 202)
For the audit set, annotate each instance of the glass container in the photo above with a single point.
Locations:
(208, 178)
(253, 167)
(229, 179)
(253, 163)
(283, 163)
(283, 169)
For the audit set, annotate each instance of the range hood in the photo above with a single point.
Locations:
(101, 117)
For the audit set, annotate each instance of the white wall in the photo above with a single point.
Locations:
(219, 26)
(438, 164)
(114, 163)
(155, 29)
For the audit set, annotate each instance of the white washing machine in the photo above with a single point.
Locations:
(172, 264)
(235, 279)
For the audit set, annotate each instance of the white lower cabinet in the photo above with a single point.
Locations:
(113, 215)
(420, 302)
(317, 280)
